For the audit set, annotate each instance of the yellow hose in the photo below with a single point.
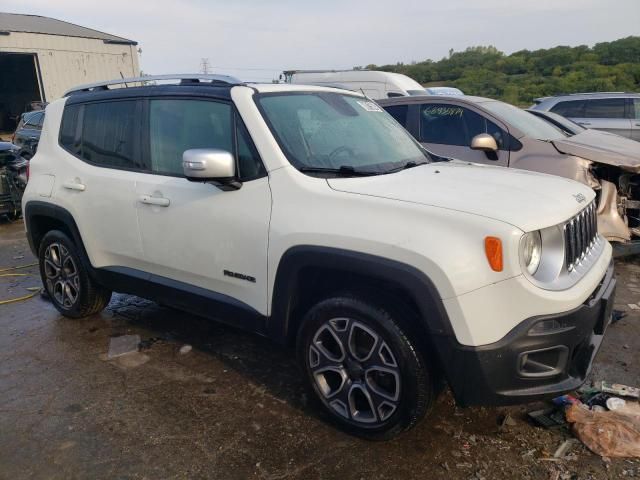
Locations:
(24, 297)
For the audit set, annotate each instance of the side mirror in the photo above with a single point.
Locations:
(211, 165)
(484, 142)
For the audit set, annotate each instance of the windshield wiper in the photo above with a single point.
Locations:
(409, 164)
(343, 170)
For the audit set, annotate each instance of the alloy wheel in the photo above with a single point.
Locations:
(62, 275)
(355, 371)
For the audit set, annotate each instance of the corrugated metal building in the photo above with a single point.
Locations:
(41, 57)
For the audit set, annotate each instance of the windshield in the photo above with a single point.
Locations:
(530, 125)
(327, 130)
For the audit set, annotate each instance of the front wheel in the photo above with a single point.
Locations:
(367, 373)
(66, 279)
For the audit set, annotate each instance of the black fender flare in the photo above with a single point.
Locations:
(35, 208)
(411, 280)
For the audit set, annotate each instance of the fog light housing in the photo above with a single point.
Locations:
(546, 362)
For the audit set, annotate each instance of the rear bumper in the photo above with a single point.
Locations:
(523, 367)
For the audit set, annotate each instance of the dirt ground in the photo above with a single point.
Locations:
(234, 407)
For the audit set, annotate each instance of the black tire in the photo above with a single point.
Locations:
(66, 279)
(374, 417)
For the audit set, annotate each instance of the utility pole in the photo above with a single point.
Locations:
(205, 66)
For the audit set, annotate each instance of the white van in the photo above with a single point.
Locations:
(374, 84)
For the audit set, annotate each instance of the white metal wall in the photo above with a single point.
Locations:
(69, 61)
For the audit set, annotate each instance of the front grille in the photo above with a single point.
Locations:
(580, 235)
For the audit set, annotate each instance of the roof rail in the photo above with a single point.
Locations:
(601, 93)
(190, 79)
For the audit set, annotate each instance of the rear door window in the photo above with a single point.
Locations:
(569, 108)
(109, 135)
(605, 108)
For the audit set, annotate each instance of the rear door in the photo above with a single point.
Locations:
(100, 161)
(195, 233)
(608, 114)
(447, 128)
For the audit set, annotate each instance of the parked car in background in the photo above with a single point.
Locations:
(374, 84)
(13, 180)
(612, 112)
(308, 215)
(488, 131)
(27, 134)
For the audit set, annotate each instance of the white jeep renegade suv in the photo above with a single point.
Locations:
(310, 216)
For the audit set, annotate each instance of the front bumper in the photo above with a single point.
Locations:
(522, 367)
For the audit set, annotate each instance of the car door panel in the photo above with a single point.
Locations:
(194, 232)
(608, 114)
(446, 129)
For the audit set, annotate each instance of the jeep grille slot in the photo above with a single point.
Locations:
(580, 235)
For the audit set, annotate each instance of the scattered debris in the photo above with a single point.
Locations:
(619, 389)
(564, 448)
(123, 345)
(548, 418)
(608, 434)
(633, 306)
(617, 315)
(507, 421)
(615, 403)
(185, 349)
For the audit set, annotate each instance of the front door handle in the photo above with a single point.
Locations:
(77, 186)
(158, 201)
(584, 123)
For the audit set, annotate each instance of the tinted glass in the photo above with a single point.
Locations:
(179, 125)
(529, 125)
(454, 125)
(571, 108)
(249, 164)
(636, 103)
(399, 112)
(68, 129)
(108, 134)
(333, 130)
(604, 108)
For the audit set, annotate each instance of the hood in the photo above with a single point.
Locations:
(527, 200)
(603, 147)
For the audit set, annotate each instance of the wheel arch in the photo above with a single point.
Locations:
(42, 217)
(309, 273)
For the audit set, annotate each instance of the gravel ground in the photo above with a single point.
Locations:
(234, 406)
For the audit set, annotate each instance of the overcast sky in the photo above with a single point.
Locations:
(256, 39)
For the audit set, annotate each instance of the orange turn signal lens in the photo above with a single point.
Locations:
(493, 250)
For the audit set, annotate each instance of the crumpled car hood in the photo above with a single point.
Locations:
(603, 147)
(527, 200)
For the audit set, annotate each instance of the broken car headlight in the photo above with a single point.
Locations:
(531, 246)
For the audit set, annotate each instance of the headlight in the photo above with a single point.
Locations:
(531, 251)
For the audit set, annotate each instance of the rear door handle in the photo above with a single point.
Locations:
(158, 201)
(584, 123)
(79, 187)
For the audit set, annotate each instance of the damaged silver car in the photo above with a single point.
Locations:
(488, 131)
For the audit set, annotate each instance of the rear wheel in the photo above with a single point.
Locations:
(367, 373)
(66, 279)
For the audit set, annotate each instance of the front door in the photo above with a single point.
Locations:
(447, 129)
(196, 233)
